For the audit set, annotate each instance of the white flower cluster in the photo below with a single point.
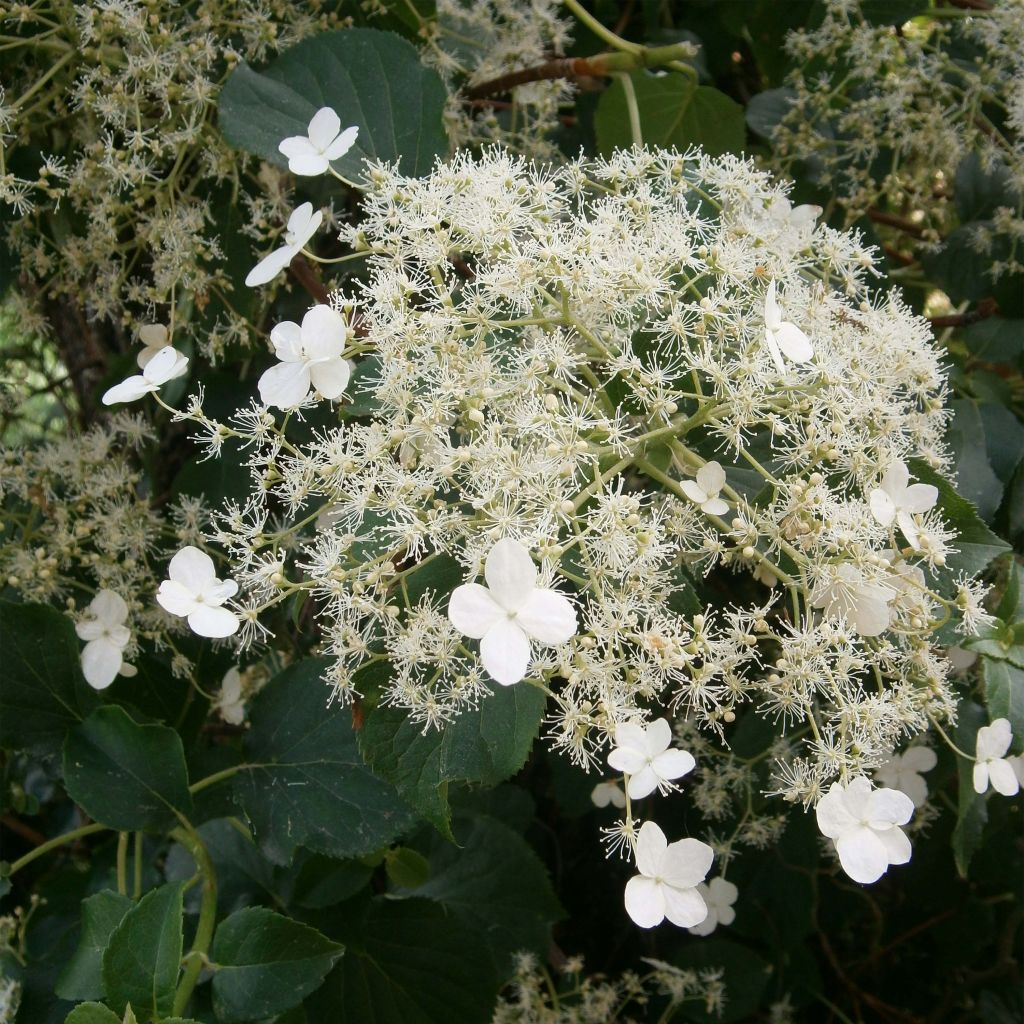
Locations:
(587, 383)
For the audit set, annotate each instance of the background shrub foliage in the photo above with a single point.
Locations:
(162, 860)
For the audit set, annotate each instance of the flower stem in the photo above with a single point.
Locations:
(52, 844)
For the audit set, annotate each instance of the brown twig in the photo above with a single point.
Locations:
(23, 830)
(308, 277)
(892, 220)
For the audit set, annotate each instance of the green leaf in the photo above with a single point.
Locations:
(976, 479)
(485, 745)
(674, 111)
(307, 784)
(408, 962)
(265, 963)
(82, 975)
(373, 79)
(972, 813)
(977, 545)
(92, 1013)
(495, 884)
(140, 963)
(125, 775)
(1004, 694)
(996, 340)
(42, 691)
(766, 111)
(406, 868)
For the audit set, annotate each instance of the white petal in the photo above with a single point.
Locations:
(472, 610)
(772, 313)
(153, 335)
(218, 592)
(870, 615)
(129, 390)
(694, 491)
(708, 925)
(1002, 775)
(287, 340)
(213, 622)
(505, 652)
(793, 342)
(285, 385)
(909, 527)
(686, 863)
(711, 478)
(601, 794)
(651, 847)
(773, 350)
(192, 568)
(270, 266)
(980, 777)
(90, 629)
(632, 736)
(101, 661)
(331, 378)
(303, 225)
(673, 764)
(895, 480)
(167, 364)
(804, 216)
(882, 507)
(297, 146)
(715, 507)
(323, 333)
(862, 854)
(547, 616)
(643, 783)
(994, 740)
(897, 845)
(915, 787)
(645, 903)
(109, 607)
(684, 907)
(919, 497)
(834, 818)
(657, 737)
(510, 574)
(342, 144)
(919, 759)
(723, 895)
(308, 166)
(625, 759)
(324, 128)
(889, 807)
(176, 599)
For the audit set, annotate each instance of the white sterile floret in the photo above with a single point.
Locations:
(705, 489)
(719, 895)
(993, 765)
(647, 757)
(847, 595)
(903, 772)
(193, 591)
(798, 219)
(782, 337)
(605, 793)
(312, 153)
(311, 357)
(302, 226)
(154, 337)
(896, 498)
(167, 364)
(106, 637)
(668, 879)
(230, 704)
(863, 824)
(509, 612)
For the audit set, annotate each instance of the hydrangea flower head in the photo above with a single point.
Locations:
(193, 591)
(167, 364)
(310, 357)
(106, 637)
(311, 154)
(863, 824)
(646, 756)
(667, 883)
(302, 226)
(993, 766)
(510, 612)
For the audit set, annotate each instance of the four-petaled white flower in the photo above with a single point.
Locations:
(605, 793)
(668, 879)
(106, 637)
(646, 756)
(509, 612)
(312, 153)
(863, 824)
(302, 226)
(896, 498)
(847, 595)
(993, 766)
(705, 489)
(167, 364)
(230, 705)
(798, 220)
(193, 591)
(310, 357)
(903, 772)
(782, 337)
(153, 337)
(719, 895)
